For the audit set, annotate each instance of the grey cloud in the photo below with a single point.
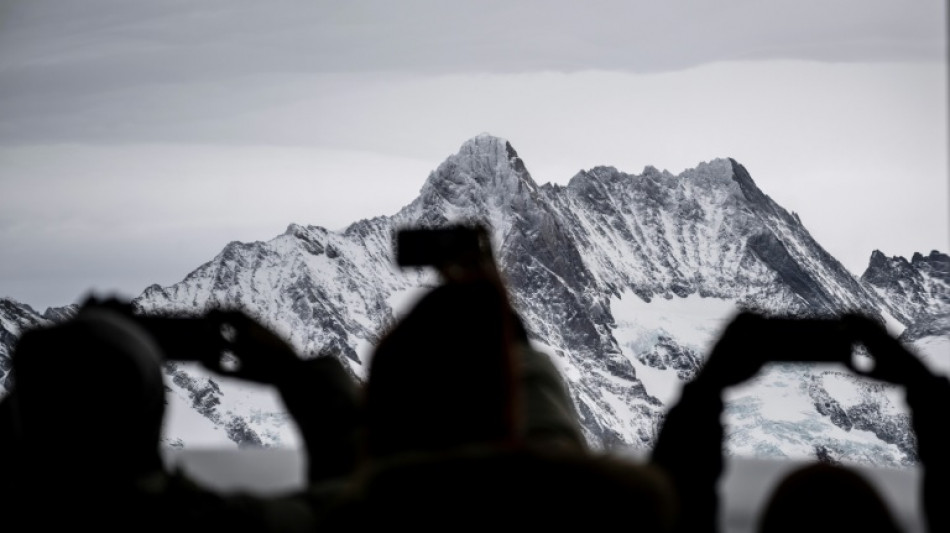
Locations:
(116, 70)
(187, 40)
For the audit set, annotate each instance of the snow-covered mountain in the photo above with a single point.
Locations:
(624, 279)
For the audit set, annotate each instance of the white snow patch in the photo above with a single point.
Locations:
(773, 415)
(621, 409)
(777, 389)
(845, 391)
(664, 385)
(694, 322)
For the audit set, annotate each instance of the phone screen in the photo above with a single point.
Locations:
(807, 340)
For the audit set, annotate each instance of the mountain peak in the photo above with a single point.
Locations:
(494, 150)
(746, 184)
(883, 270)
(484, 163)
(482, 140)
(485, 180)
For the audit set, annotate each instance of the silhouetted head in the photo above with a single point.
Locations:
(823, 497)
(90, 396)
(442, 377)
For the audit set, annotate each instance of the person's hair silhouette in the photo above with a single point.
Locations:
(442, 378)
(90, 397)
(822, 497)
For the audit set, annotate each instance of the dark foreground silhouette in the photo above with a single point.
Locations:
(461, 424)
(689, 447)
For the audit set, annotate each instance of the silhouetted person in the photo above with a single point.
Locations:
(88, 406)
(689, 447)
(87, 412)
(465, 327)
(484, 489)
(826, 498)
(9, 448)
(444, 376)
(319, 394)
(448, 439)
(928, 397)
(90, 398)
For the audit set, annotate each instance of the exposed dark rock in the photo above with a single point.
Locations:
(866, 415)
(239, 432)
(667, 353)
(913, 291)
(773, 253)
(824, 455)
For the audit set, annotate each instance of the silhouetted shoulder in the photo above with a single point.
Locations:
(482, 488)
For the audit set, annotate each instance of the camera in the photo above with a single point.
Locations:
(196, 339)
(179, 337)
(817, 340)
(440, 246)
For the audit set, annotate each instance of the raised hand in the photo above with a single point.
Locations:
(737, 355)
(262, 356)
(892, 362)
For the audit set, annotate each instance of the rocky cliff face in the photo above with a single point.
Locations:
(623, 278)
(916, 292)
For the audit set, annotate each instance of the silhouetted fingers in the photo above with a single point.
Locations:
(258, 353)
(892, 361)
(736, 356)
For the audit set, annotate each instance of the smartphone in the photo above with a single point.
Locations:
(807, 340)
(436, 247)
(186, 339)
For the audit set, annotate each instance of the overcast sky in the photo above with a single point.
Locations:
(137, 138)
